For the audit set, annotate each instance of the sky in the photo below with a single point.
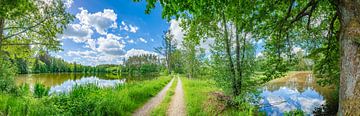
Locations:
(105, 32)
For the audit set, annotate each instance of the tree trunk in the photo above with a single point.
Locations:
(237, 50)
(349, 97)
(228, 53)
(2, 21)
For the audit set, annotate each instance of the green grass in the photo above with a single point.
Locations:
(163, 106)
(197, 95)
(85, 100)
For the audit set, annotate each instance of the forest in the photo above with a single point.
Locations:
(266, 57)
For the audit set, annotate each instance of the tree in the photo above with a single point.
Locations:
(28, 22)
(284, 18)
(167, 50)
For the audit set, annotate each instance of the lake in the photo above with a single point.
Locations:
(64, 82)
(298, 91)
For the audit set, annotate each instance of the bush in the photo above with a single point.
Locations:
(40, 90)
(7, 72)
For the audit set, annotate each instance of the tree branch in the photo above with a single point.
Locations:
(25, 29)
(25, 44)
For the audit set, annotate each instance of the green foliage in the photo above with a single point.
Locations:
(294, 113)
(84, 100)
(7, 72)
(40, 90)
(143, 64)
(197, 95)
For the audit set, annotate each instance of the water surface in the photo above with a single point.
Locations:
(64, 82)
(296, 92)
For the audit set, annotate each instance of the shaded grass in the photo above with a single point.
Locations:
(85, 100)
(164, 105)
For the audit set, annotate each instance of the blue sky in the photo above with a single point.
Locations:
(104, 32)
(107, 31)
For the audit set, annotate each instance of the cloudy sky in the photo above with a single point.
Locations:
(104, 32)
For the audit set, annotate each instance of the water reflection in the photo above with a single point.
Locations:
(63, 82)
(68, 85)
(297, 92)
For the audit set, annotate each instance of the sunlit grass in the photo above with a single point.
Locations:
(85, 100)
(197, 94)
(164, 105)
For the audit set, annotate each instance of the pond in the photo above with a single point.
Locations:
(64, 82)
(298, 91)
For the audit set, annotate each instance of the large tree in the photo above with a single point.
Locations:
(281, 19)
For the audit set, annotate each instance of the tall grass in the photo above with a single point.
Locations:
(164, 105)
(85, 100)
(197, 93)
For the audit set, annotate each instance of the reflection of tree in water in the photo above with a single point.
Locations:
(330, 108)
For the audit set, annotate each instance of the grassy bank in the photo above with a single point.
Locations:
(197, 96)
(86, 100)
(204, 98)
(163, 106)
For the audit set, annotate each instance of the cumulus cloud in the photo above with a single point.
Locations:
(176, 31)
(81, 53)
(78, 33)
(99, 20)
(110, 46)
(142, 40)
(136, 52)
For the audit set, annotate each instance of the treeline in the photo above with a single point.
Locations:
(135, 65)
(142, 64)
(45, 63)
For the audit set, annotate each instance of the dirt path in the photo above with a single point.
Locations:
(177, 105)
(153, 102)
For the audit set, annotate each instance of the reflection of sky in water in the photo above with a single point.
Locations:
(285, 99)
(69, 84)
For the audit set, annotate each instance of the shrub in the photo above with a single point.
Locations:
(40, 90)
(7, 71)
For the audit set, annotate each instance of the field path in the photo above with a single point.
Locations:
(177, 105)
(153, 102)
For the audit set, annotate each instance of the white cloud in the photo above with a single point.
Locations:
(78, 33)
(99, 20)
(152, 40)
(129, 28)
(259, 55)
(206, 44)
(81, 53)
(136, 52)
(131, 41)
(123, 26)
(133, 29)
(91, 43)
(110, 46)
(296, 49)
(142, 40)
(68, 3)
(176, 31)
